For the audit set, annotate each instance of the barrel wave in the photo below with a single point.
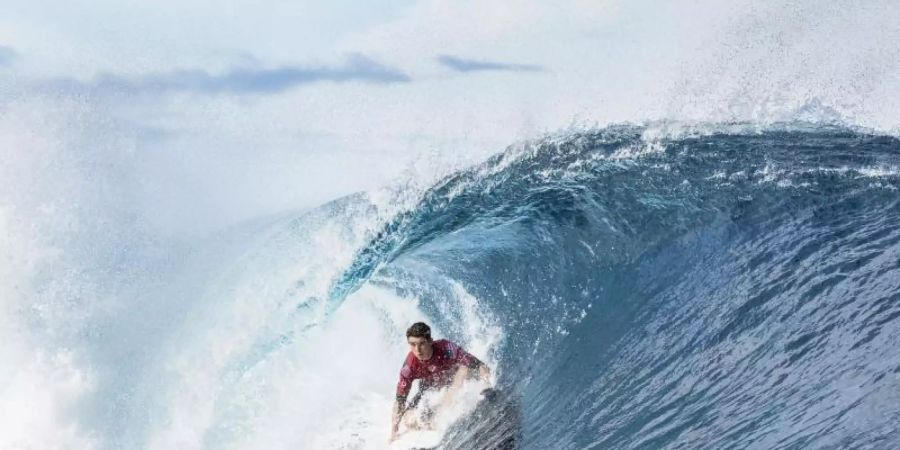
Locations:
(710, 287)
(632, 287)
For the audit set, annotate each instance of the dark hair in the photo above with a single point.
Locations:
(419, 329)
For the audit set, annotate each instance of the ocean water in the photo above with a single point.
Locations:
(633, 287)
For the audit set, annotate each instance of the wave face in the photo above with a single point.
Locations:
(718, 288)
(632, 287)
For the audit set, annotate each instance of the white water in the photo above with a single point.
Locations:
(117, 336)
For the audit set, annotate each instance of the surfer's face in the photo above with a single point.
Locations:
(420, 347)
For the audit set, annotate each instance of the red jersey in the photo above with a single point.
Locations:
(436, 371)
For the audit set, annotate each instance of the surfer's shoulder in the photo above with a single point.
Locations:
(446, 348)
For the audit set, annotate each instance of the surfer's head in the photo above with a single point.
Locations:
(418, 336)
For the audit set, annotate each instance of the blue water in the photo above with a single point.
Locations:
(632, 287)
(731, 288)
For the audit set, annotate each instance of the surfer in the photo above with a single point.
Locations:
(438, 364)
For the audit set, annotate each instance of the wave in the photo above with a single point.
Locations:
(710, 288)
(658, 286)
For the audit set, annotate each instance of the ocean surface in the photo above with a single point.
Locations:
(633, 287)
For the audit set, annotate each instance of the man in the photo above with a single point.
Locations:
(438, 364)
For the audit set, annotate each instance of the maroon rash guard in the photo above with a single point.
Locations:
(437, 371)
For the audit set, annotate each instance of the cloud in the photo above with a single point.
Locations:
(7, 55)
(245, 80)
(470, 65)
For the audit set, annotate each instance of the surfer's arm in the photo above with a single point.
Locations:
(399, 409)
(461, 374)
(484, 373)
(403, 387)
(470, 362)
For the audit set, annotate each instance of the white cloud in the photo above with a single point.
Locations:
(465, 65)
(245, 80)
(84, 37)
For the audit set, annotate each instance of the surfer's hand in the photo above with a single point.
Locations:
(489, 394)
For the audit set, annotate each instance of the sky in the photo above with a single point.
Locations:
(250, 108)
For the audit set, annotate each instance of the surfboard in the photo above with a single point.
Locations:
(480, 422)
(417, 440)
